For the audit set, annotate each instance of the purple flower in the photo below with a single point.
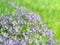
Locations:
(16, 28)
(41, 32)
(49, 43)
(3, 23)
(4, 17)
(23, 22)
(32, 16)
(7, 25)
(1, 39)
(27, 32)
(12, 31)
(16, 38)
(18, 43)
(20, 15)
(49, 33)
(14, 23)
(34, 29)
(5, 35)
(26, 37)
(31, 32)
(14, 42)
(43, 25)
(22, 41)
(10, 41)
(55, 41)
(5, 43)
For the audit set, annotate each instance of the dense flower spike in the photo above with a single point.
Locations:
(25, 28)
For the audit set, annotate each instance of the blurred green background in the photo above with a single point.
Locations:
(49, 10)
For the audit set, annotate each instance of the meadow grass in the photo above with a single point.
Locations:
(49, 10)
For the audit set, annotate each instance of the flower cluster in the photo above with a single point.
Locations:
(25, 28)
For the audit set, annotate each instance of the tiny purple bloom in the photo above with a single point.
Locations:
(49, 43)
(1, 40)
(26, 38)
(22, 41)
(5, 35)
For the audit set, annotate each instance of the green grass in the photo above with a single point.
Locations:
(49, 10)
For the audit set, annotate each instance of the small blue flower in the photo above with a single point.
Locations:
(26, 37)
(49, 43)
(41, 32)
(12, 31)
(22, 41)
(6, 35)
(1, 39)
(18, 43)
(14, 23)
